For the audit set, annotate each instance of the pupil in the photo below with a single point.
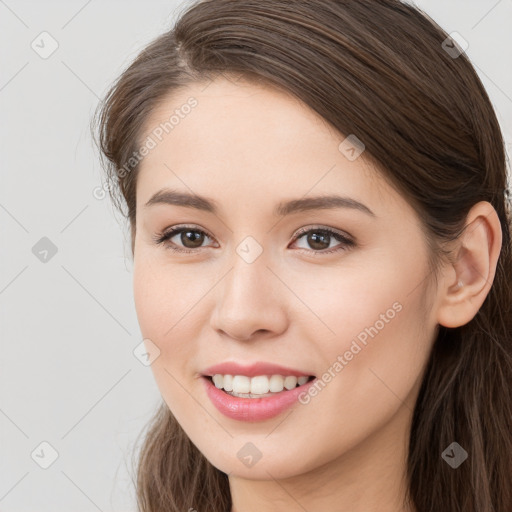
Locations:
(313, 240)
(192, 236)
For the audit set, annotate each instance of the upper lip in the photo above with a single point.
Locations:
(252, 370)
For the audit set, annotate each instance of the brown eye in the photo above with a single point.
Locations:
(319, 239)
(190, 239)
(194, 238)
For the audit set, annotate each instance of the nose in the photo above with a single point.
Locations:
(250, 302)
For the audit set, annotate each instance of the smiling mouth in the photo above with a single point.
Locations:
(260, 386)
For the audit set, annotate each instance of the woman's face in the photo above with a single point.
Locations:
(263, 282)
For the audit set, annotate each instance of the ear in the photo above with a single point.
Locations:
(467, 281)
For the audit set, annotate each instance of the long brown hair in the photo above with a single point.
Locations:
(385, 71)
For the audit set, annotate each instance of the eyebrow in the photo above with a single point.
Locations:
(188, 200)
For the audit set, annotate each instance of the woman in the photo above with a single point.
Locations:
(320, 228)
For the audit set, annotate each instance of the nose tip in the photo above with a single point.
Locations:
(244, 307)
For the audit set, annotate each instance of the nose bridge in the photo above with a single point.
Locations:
(248, 262)
(246, 282)
(244, 301)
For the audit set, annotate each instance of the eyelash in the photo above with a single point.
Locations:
(161, 238)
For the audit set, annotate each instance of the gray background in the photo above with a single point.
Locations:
(68, 373)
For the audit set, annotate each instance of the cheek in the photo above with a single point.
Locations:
(170, 302)
(373, 368)
(164, 296)
(370, 330)
(382, 360)
(159, 308)
(344, 301)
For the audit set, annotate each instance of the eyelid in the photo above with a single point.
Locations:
(337, 232)
(171, 232)
(345, 241)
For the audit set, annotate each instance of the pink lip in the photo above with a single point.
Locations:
(259, 368)
(253, 409)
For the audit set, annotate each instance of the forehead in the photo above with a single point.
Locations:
(242, 111)
(249, 140)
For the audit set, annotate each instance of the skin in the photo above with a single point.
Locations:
(248, 147)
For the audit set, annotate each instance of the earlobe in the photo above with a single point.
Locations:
(477, 253)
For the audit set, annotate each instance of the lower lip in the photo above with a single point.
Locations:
(253, 409)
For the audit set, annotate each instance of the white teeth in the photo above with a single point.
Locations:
(259, 385)
(290, 382)
(302, 380)
(276, 383)
(218, 380)
(241, 384)
(228, 383)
